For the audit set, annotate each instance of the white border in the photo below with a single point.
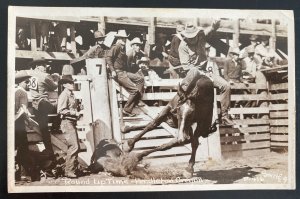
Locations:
(149, 12)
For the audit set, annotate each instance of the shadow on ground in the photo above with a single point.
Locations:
(227, 176)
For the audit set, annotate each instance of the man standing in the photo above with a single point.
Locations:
(40, 84)
(134, 55)
(67, 109)
(97, 51)
(21, 104)
(117, 60)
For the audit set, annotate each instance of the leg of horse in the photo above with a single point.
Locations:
(129, 144)
(190, 169)
(127, 129)
(173, 143)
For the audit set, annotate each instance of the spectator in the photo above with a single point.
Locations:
(253, 44)
(68, 112)
(40, 84)
(21, 142)
(174, 55)
(97, 51)
(117, 60)
(266, 56)
(134, 55)
(232, 67)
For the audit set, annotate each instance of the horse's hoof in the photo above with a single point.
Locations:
(125, 129)
(187, 175)
(127, 145)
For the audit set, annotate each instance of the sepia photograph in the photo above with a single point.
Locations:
(150, 99)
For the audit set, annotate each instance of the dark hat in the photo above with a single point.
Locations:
(37, 61)
(21, 76)
(264, 38)
(66, 79)
(98, 34)
(144, 59)
(253, 38)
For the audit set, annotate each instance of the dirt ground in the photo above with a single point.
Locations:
(264, 169)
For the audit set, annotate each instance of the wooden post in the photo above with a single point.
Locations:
(102, 24)
(73, 42)
(273, 36)
(151, 30)
(213, 141)
(33, 36)
(236, 33)
(100, 100)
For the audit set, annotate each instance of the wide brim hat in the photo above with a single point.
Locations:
(66, 79)
(144, 59)
(234, 51)
(136, 40)
(250, 49)
(264, 38)
(121, 34)
(37, 61)
(21, 76)
(253, 38)
(190, 31)
(98, 34)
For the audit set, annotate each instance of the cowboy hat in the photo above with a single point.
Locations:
(144, 59)
(37, 61)
(21, 76)
(121, 34)
(136, 40)
(264, 38)
(253, 38)
(66, 79)
(250, 49)
(98, 34)
(235, 51)
(190, 30)
(67, 70)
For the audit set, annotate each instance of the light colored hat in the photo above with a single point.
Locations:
(250, 49)
(190, 30)
(21, 76)
(136, 40)
(99, 34)
(121, 34)
(144, 59)
(67, 70)
(235, 50)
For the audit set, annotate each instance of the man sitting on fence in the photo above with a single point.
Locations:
(117, 61)
(97, 51)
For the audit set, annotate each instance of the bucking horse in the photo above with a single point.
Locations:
(195, 105)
